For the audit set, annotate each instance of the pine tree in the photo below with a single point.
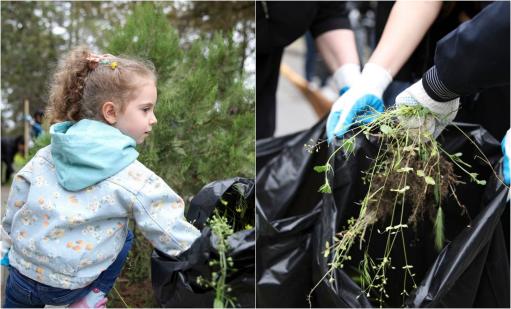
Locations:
(205, 110)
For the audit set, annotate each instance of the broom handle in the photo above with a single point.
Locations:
(318, 101)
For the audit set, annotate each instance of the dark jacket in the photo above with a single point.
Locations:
(472, 61)
(473, 57)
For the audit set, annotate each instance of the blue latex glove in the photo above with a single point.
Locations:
(5, 259)
(360, 103)
(506, 150)
(351, 108)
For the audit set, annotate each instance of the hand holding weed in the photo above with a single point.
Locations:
(359, 103)
(444, 111)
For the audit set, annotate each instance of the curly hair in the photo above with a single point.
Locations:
(78, 89)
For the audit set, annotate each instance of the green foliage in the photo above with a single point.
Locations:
(206, 106)
(222, 230)
(43, 140)
(34, 35)
(148, 35)
(28, 50)
(205, 112)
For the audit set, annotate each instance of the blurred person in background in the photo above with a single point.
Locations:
(281, 23)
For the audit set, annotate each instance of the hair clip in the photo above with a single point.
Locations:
(94, 59)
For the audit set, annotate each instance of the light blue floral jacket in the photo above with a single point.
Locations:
(68, 208)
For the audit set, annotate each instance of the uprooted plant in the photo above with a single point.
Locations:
(222, 230)
(410, 167)
(233, 214)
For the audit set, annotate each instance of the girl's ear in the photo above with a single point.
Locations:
(109, 112)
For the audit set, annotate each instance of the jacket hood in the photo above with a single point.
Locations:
(89, 151)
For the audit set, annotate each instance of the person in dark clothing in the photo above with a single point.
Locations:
(407, 24)
(11, 146)
(281, 23)
(407, 33)
(37, 123)
(473, 57)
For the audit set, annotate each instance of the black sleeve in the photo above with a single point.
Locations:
(473, 57)
(330, 16)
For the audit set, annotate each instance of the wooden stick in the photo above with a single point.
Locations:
(318, 101)
(27, 128)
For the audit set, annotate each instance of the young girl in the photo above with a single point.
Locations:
(67, 212)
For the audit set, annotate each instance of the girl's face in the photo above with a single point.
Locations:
(138, 116)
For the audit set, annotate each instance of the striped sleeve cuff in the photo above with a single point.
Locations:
(435, 88)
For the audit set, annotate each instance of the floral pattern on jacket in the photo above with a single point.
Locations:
(66, 239)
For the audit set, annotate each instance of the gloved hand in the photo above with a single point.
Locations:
(445, 111)
(6, 243)
(360, 102)
(5, 259)
(506, 150)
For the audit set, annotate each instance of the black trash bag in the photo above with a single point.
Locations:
(347, 190)
(174, 279)
(288, 207)
(224, 195)
(446, 289)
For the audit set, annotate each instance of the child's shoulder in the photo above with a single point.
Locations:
(133, 177)
(42, 157)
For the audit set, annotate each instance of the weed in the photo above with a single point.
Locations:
(410, 168)
(222, 230)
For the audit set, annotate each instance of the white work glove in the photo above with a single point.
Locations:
(359, 103)
(445, 111)
(346, 75)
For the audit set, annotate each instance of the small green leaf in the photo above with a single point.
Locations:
(348, 145)
(437, 194)
(321, 168)
(325, 188)
(458, 154)
(474, 178)
(327, 250)
(385, 129)
(429, 180)
(439, 229)
(420, 173)
(402, 190)
(405, 169)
